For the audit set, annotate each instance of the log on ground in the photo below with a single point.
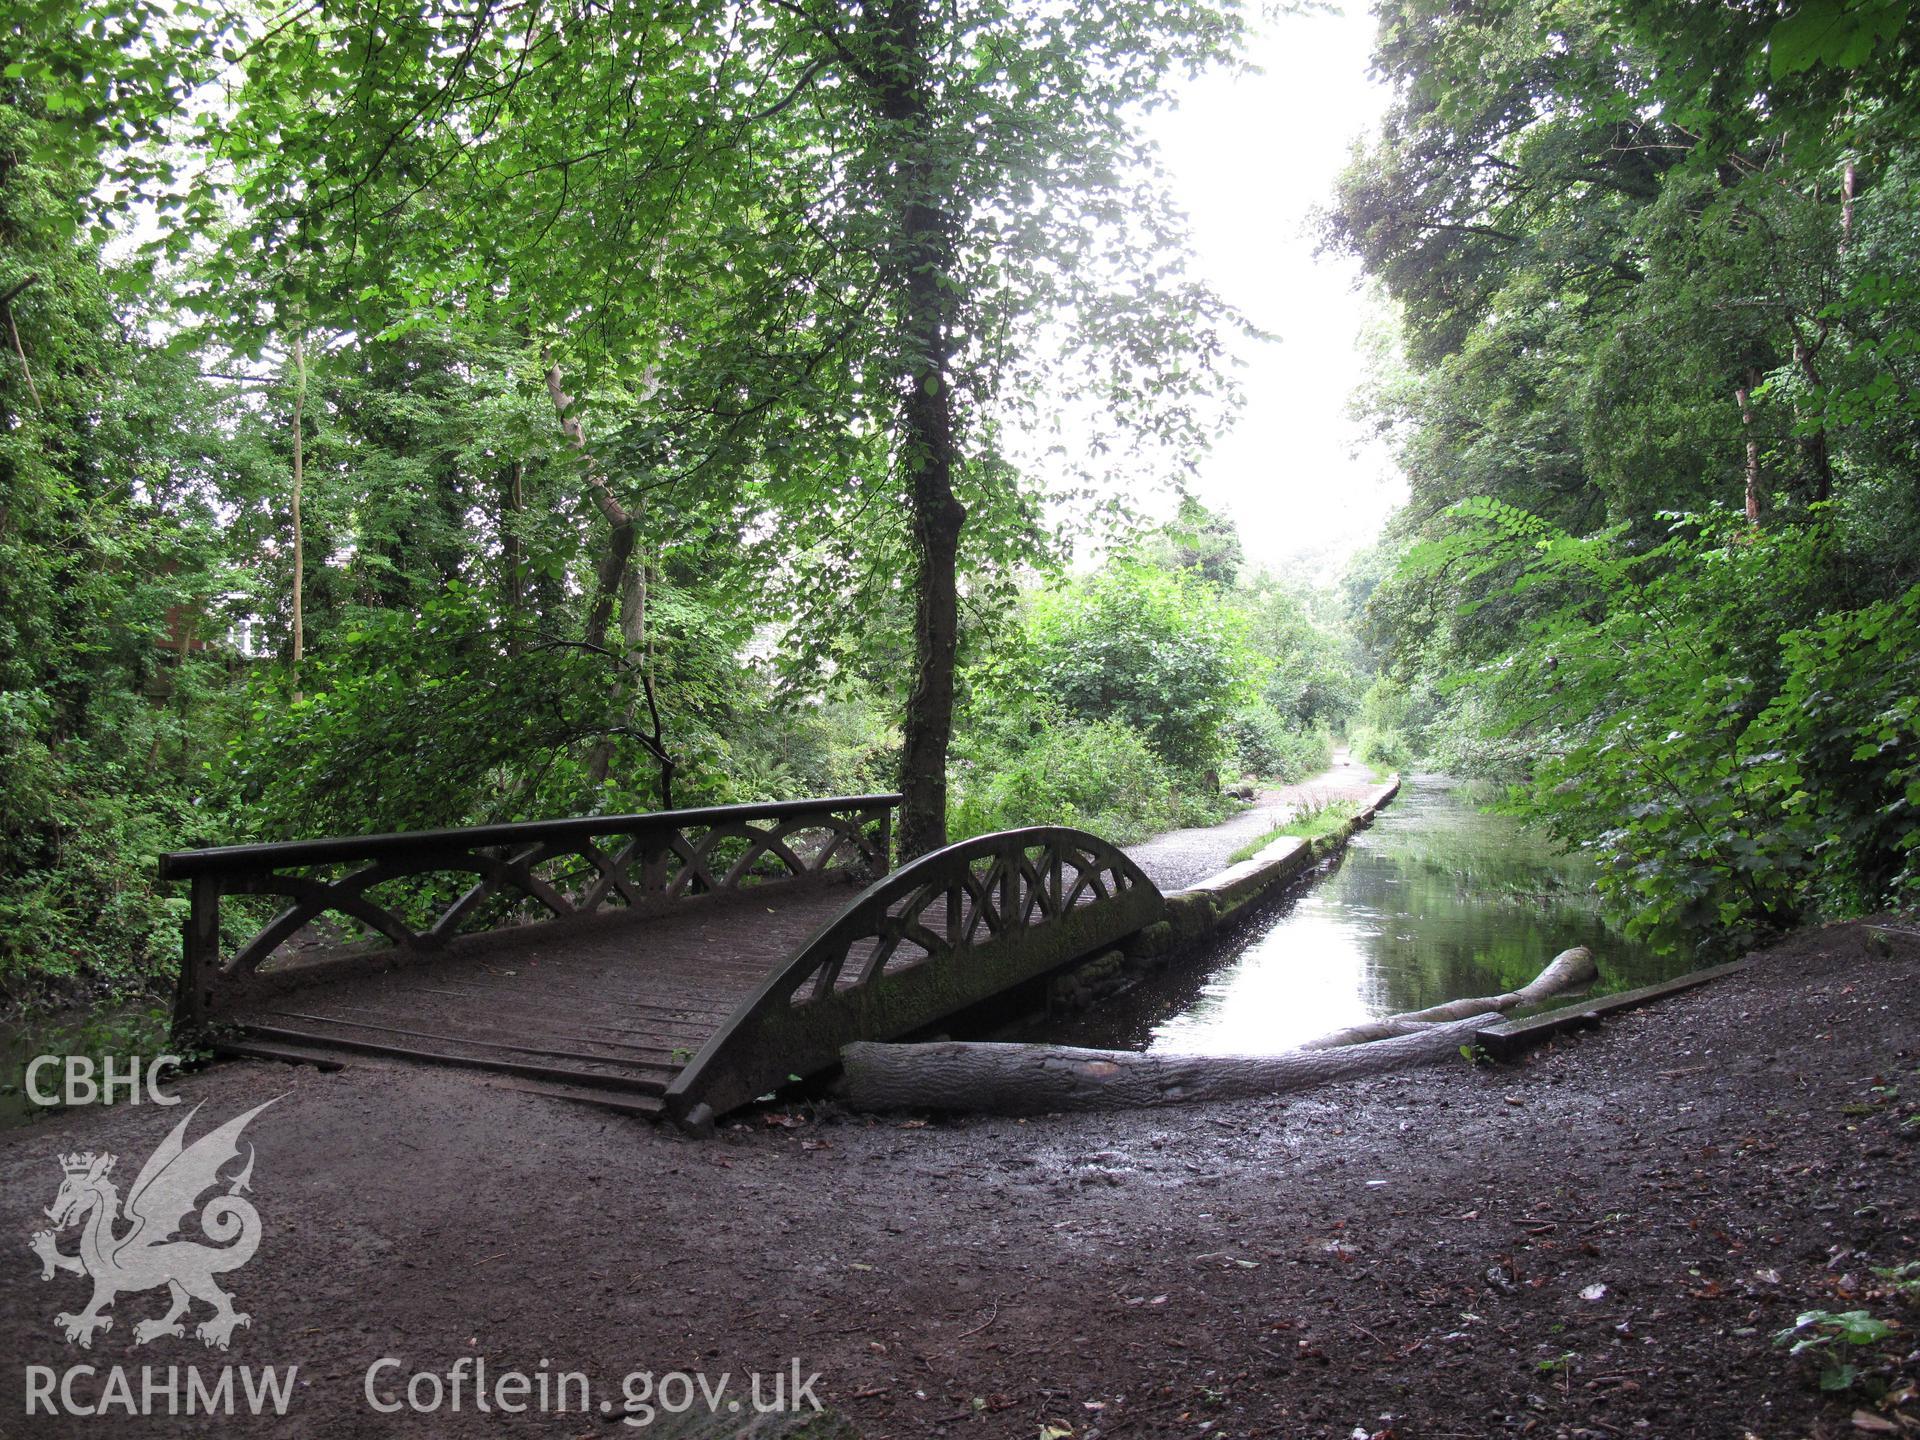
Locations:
(1009, 1079)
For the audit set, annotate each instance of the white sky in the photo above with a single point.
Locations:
(1249, 159)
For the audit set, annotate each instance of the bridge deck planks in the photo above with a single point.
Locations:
(608, 1005)
(607, 1008)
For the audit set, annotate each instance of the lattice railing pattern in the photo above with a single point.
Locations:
(945, 931)
(420, 890)
(962, 904)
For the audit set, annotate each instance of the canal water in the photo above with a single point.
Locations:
(1433, 901)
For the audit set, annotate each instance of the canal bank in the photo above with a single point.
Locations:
(1178, 859)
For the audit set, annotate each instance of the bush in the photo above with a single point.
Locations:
(1732, 768)
(1155, 649)
(1313, 682)
(1265, 745)
(1098, 775)
(1840, 747)
(1385, 748)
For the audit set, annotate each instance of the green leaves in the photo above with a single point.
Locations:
(693, 209)
(1728, 772)
(1820, 1333)
(1657, 273)
(1157, 649)
(1840, 33)
(1098, 774)
(1844, 733)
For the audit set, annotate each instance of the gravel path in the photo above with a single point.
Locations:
(1180, 858)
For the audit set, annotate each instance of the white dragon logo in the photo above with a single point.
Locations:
(149, 1253)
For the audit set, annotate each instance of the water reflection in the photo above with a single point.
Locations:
(1433, 901)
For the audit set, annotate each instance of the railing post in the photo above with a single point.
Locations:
(886, 841)
(199, 956)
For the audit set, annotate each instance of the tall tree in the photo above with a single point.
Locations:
(108, 556)
(918, 264)
(822, 255)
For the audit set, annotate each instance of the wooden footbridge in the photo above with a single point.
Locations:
(679, 963)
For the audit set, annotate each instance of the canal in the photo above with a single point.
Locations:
(1437, 899)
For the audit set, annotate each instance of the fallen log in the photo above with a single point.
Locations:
(1008, 1079)
(1569, 970)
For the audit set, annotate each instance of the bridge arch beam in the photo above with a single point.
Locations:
(944, 932)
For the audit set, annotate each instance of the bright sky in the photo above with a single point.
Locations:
(1249, 159)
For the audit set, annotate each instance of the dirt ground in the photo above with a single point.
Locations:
(1599, 1242)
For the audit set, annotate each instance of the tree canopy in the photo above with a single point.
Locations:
(1655, 268)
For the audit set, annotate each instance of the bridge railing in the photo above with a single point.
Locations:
(420, 889)
(941, 933)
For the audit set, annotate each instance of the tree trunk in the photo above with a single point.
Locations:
(1743, 393)
(13, 334)
(1814, 444)
(649, 578)
(1040, 1079)
(299, 532)
(512, 581)
(611, 571)
(1568, 970)
(623, 578)
(920, 267)
(632, 679)
(928, 728)
(1002, 1079)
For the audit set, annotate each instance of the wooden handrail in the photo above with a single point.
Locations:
(244, 859)
(664, 857)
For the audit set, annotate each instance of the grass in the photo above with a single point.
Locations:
(1312, 821)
